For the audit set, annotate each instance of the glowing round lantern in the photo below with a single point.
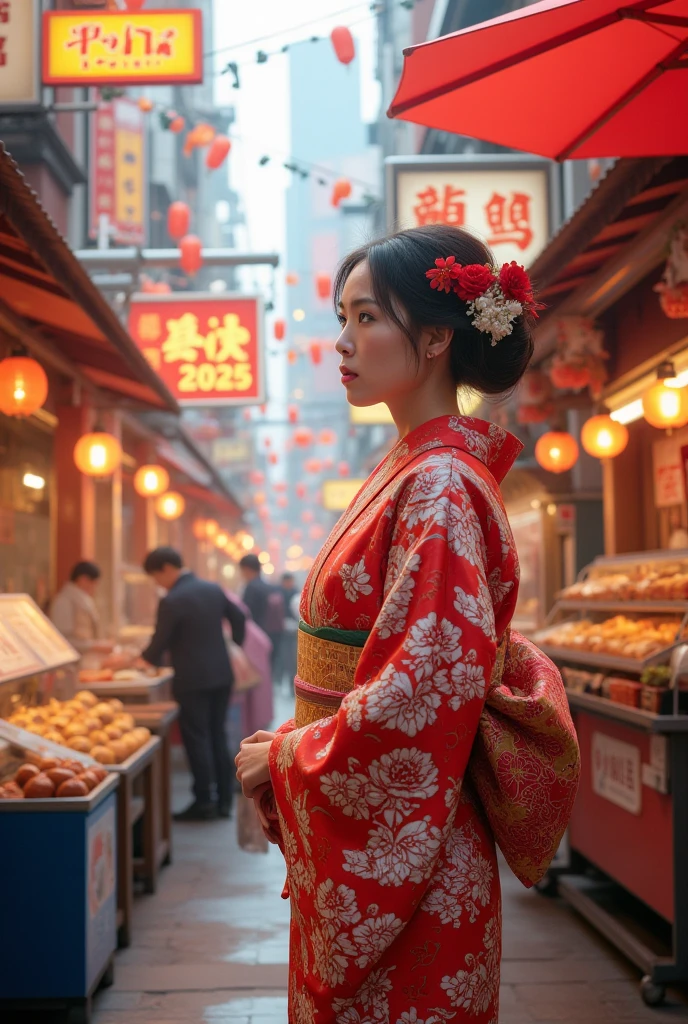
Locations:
(97, 454)
(198, 529)
(603, 438)
(343, 469)
(341, 190)
(217, 153)
(170, 505)
(292, 356)
(178, 220)
(191, 249)
(323, 285)
(316, 353)
(222, 540)
(259, 498)
(343, 43)
(303, 437)
(145, 104)
(177, 124)
(292, 279)
(212, 528)
(300, 490)
(23, 386)
(150, 481)
(280, 329)
(327, 437)
(556, 451)
(665, 407)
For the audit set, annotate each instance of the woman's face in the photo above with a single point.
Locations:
(378, 363)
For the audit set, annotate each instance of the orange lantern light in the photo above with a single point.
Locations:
(256, 477)
(217, 154)
(145, 104)
(292, 279)
(300, 490)
(199, 137)
(178, 220)
(273, 458)
(191, 249)
(292, 356)
(312, 465)
(222, 540)
(198, 529)
(323, 285)
(665, 407)
(343, 43)
(150, 481)
(23, 386)
(177, 124)
(170, 505)
(212, 528)
(343, 469)
(280, 329)
(293, 413)
(603, 438)
(327, 436)
(316, 353)
(303, 437)
(97, 454)
(341, 190)
(556, 451)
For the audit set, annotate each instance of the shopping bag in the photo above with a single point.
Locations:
(250, 834)
(246, 675)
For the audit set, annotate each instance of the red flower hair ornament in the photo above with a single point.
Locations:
(494, 300)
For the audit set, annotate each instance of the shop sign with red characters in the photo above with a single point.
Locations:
(505, 201)
(206, 350)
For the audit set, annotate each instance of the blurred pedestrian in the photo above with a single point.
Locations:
(190, 627)
(287, 661)
(74, 612)
(265, 602)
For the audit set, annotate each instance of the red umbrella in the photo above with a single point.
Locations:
(563, 78)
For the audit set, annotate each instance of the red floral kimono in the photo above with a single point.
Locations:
(392, 871)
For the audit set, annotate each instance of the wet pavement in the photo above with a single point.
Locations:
(211, 946)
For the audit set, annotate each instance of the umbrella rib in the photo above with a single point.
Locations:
(552, 43)
(656, 72)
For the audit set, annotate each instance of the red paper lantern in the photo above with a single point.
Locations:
(343, 468)
(280, 329)
(341, 190)
(23, 386)
(191, 249)
(145, 104)
(293, 413)
(303, 437)
(327, 436)
(177, 124)
(199, 137)
(178, 220)
(556, 451)
(343, 43)
(273, 458)
(292, 356)
(323, 285)
(256, 477)
(312, 465)
(567, 377)
(292, 279)
(316, 353)
(217, 154)
(300, 490)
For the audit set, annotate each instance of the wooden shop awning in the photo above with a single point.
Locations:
(614, 239)
(50, 304)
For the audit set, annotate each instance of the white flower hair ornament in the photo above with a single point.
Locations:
(494, 300)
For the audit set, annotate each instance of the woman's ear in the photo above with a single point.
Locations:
(437, 341)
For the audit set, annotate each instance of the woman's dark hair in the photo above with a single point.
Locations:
(157, 559)
(397, 269)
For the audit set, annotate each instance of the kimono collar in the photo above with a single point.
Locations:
(495, 447)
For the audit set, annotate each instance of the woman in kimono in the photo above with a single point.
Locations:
(423, 730)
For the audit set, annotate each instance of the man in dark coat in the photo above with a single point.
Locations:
(190, 629)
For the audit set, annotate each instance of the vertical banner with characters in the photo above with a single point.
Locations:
(118, 172)
(206, 350)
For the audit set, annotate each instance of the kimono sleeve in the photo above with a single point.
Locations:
(367, 797)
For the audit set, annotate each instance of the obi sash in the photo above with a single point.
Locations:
(525, 761)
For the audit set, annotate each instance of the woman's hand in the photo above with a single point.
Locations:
(262, 736)
(252, 763)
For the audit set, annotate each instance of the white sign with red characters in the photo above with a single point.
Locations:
(19, 56)
(505, 206)
(616, 772)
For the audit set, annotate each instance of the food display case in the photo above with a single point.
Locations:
(619, 635)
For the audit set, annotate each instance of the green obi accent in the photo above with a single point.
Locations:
(349, 637)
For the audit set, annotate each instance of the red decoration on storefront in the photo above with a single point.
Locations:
(178, 220)
(293, 414)
(280, 330)
(191, 259)
(23, 386)
(343, 468)
(323, 285)
(316, 353)
(343, 43)
(218, 152)
(567, 377)
(341, 190)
